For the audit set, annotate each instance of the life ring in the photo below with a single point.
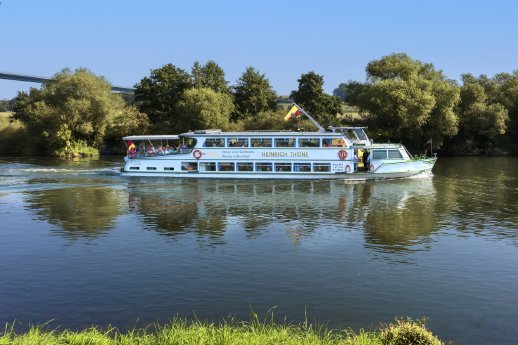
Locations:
(196, 154)
(347, 168)
(342, 154)
(372, 167)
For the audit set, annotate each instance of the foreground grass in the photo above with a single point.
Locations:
(184, 332)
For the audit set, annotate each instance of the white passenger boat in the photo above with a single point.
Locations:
(336, 153)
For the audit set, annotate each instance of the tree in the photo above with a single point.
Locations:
(407, 99)
(4, 105)
(69, 113)
(310, 95)
(129, 122)
(481, 119)
(253, 94)
(503, 89)
(211, 76)
(159, 94)
(204, 108)
(341, 91)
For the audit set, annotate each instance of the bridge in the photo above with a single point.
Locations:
(34, 79)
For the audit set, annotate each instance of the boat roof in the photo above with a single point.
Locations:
(150, 137)
(211, 133)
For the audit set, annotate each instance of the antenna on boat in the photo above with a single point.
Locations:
(320, 128)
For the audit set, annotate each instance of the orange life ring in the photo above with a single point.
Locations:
(196, 154)
(372, 167)
(347, 168)
(342, 154)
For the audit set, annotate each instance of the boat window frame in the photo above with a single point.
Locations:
(282, 164)
(241, 164)
(360, 134)
(315, 165)
(374, 151)
(184, 166)
(394, 150)
(221, 141)
(220, 164)
(287, 140)
(298, 165)
(204, 164)
(261, 141)
(247, 140)
(301, 140)
(266, 164)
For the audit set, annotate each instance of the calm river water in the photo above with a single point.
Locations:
(82, 245)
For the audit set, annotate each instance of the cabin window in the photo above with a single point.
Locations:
(226, 166)
(349, 134)
(394, 154)
(360, 133)
(208, 166)
(379, 154)
(151, 168)
(237, 142)
(309, 142)
(332, 142)
(283, 167)
(134, 168)
(284, 142)
(189, 166)
(321, 167)
(302, 167)
(245, 166)
(168, 168)
(211, 142)
(261, 142)
(263, 167)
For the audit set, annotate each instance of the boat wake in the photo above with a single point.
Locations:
(61, 171)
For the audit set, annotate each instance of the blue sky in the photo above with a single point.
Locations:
(123, 40)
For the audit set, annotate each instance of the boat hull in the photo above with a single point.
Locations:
(357, 176)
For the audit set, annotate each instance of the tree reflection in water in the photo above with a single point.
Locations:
(78, 211)
(394, 215)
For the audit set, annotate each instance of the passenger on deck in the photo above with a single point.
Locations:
(366, 160)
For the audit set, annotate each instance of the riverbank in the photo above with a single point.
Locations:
(182, 331)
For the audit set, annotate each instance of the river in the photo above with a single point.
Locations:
(81, 245)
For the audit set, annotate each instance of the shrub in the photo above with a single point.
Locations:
(408, 332)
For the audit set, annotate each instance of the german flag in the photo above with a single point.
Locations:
(131, 146)
(293, 113)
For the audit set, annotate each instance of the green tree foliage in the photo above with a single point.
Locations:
(266, 120)
(4, 105)
(211, 76)
(129, 122)
(482, 120)
(341, 91)
(310, 95)
(253, 94)
(69, 113)
(503, 89)
(202, 108)
(406, 99)
(159, 94)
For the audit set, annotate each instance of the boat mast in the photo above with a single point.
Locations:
(320, 128)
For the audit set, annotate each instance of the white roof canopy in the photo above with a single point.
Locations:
(151, 137)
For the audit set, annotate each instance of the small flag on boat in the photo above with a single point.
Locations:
(293, 113)
(131, 146)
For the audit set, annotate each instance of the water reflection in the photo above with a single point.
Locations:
(393, 214)
(401, 214)
(479, 196)
(77, 211)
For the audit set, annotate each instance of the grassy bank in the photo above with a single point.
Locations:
(181, 331)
